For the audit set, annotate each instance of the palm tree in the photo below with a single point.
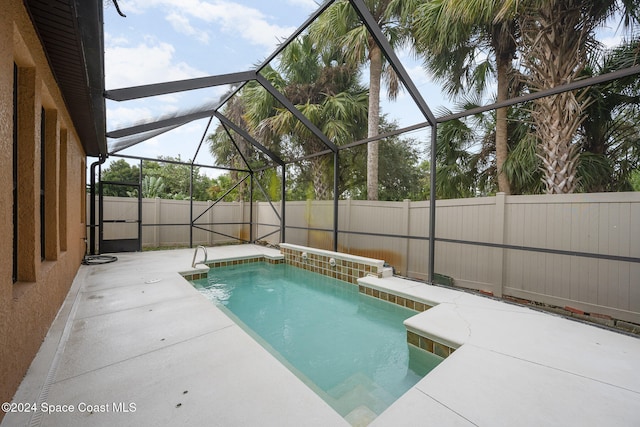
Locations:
(610, 131)
(341, 26)
(557, 38)
(451, 35)
(401, 176)
(223, 149)
(455, 175)
(325, 89)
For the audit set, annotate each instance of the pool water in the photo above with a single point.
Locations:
(349, 347)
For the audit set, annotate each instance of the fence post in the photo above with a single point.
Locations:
(210, 235)
(309, 220)
(346, 240)
(499, 226)
(240, 215)
(407, 232)
(156, 220)
(254, 215)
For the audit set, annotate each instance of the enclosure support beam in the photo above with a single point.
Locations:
(250, 208)
(140, 208)
(336, 175)
(249, 138)
(293, 110)
(137, 92)
(164, 123)
(432, 204)
(191, 205)
(282, 46)
(283, 223)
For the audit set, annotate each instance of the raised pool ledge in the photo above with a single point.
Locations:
(438, 328)
(341, 266)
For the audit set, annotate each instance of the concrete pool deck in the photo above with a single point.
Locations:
(136, 345)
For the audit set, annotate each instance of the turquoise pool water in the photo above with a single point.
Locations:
(350, 348)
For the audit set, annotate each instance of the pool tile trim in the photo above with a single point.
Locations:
(203, 274)
(429, 345)
(395, 299)
(347, 268)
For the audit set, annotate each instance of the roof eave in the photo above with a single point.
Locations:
(71, 32)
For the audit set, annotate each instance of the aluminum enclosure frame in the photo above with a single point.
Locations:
(242, 78)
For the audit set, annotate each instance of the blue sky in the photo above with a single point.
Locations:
(166, 40)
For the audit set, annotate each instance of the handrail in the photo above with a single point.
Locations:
(193, 262)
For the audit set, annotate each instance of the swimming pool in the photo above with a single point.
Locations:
(350, 348)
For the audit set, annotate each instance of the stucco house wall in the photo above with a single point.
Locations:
(31, 294)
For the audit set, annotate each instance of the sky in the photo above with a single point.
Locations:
(167, 40)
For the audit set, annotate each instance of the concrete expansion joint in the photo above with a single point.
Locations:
(137, 307)
(137, 356)
(450, 409)
(555, 368)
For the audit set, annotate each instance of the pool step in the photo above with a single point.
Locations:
(359, 398)
(361, 416)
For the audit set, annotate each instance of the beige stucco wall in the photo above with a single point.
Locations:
(28, 306)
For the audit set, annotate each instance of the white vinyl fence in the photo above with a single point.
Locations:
(165, 223)
(579, 250)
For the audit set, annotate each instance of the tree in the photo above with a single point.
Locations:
(324, 89)
(233, 152)
(523, 166)
(455, 176)
(160, 179)
(452, 35)
(341, 26)
(177, 178)
(610, 132)
(119, 171)
(635, 180)
(220, 185)
(557, 39)
(400, 174)
(551, 139)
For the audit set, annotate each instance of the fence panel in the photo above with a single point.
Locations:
(268, 221)
(604, 224)
(382, 219)
(469, 233)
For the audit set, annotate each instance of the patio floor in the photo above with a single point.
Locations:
(136, 345)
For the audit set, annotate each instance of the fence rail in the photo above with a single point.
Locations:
(579, 250)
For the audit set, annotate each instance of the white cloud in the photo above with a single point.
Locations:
(308, 4)
(230, 17)
(234, 18)
(111, 40)
(182, 25)
(148, 62)
(119, 117)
